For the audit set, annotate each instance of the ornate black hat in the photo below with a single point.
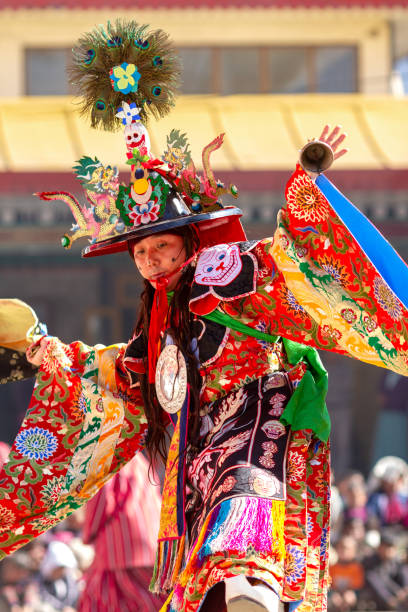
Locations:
(125, 72)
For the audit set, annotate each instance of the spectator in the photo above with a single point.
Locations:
(347, 576)
(392, 421)
(18, 592)
(336, 511)
(388, 504)
(122, 522)
(36, 550)
(354, 494)
(4, 453)
(58, 586)
(387, 576)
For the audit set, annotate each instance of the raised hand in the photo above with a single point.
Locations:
(314, 159)
(35, 352)
(334, 139)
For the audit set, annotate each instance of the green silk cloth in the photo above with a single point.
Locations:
(306, 408)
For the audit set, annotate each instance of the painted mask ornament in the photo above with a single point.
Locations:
(224, 272)
(219, 266)
(144, 199)
(136, 137)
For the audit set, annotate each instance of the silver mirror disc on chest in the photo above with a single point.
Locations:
(171, 379)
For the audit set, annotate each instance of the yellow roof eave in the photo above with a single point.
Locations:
(263, 132)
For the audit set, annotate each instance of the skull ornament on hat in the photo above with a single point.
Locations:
(124, 73)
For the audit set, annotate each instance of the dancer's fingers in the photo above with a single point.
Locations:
(333, 135)
(325, 132)
(337, 142)
(340, 153)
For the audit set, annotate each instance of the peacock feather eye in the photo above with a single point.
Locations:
(100, 105)
(141, 44)
(127, 58)
(89, 57)
(116, 41)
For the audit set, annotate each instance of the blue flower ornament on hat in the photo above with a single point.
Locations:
(125, 72)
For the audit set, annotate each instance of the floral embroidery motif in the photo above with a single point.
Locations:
(387, 299)
(305, 200)
(55, 358)
(6, 519)
(336, 270)
(290, 301)
(348, 315)
(134, 214)
(83, 404)
(144, 213)
(36, 443)
(294, 564)
(267, 459)
(369, 324)
(331, 332)
(296, 468)
(301, 251)
(14, 366)
(51, 491)
(277, 402)
(323, 543)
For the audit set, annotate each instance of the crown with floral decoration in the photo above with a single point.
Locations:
(125, 72)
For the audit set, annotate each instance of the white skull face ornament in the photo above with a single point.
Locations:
(137, 136)
(219, 265)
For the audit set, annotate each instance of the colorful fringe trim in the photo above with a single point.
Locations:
(169, 559)
(172, 539)
(238, 524)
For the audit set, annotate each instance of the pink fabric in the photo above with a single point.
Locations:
(123, 590)
(395, 510)
(4, 452)
(122, 520)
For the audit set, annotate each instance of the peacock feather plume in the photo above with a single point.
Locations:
(127, 62)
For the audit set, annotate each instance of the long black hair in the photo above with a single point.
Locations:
(180, 321)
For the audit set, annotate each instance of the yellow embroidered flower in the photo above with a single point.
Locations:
(305, 201)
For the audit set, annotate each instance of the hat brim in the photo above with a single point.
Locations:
(227, 220)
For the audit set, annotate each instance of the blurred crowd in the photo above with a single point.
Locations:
(47, 574)
(368, 558)
(100, 558)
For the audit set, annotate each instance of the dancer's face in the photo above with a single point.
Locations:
(159, 255)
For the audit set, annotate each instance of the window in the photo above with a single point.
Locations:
(225, 70)
(197, 70)
(239, 71)
(335, 69)
(287, 70)
(279, 70)
(46, 72)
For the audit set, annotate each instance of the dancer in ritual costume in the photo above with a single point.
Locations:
(223, 355)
